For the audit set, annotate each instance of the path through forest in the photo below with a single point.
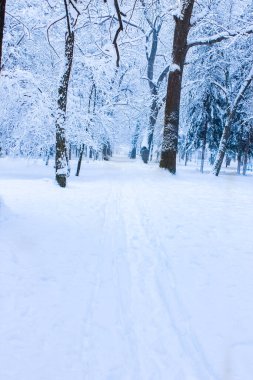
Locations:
(127, 274)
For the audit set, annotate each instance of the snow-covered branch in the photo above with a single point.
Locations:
(209, 40)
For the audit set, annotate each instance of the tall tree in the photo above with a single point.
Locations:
(171, 120)
(2, 17)
(227, 129)
(61, 158)
(152, 37)
(180, 48)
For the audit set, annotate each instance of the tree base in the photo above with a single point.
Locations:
(61, 180)
(168, 161)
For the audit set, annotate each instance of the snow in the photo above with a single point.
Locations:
(127, 274)
(174, 67)
(4, 211)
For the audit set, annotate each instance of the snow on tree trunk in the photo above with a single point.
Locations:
(172, 108)
(2, 17)
(203, 150)
(222, 149)
(61, 161)
(152, 122)
(227, 129)
(134, 141)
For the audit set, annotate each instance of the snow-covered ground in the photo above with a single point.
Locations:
(127, 274)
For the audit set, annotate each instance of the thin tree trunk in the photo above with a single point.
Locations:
(152, 122)
(2, 18)
(245, 156)
(222, 149)
(134, 141)
(186, 159)
(70, 152)
(49, 153)
(61, 159)
(151, 151)
(227, 129)
(228, 161)
(239, 162)
(171, 120)
(47, 159)
(80, 160)
(203, 149)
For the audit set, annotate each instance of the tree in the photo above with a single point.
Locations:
(61, 158)
(227, 129)
(172, 107)
(2, 17)
(179, 51)
(155, 24)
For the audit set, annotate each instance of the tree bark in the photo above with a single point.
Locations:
(153, 87)
(222, 149)
(228, 161)
(70, 152)
(134, 141)
(203, 151)
(171, 119)
(2, 18)
(186, 159)
(239, 162)
(152, 122)
(80, 161)
(61, 159)
(245, 156)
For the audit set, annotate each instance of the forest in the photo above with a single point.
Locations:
(80, 78)
(126, 157)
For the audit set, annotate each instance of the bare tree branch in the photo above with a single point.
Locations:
(163, 75)
(15, 18)
(120, 29)
(53, 23)
(67, 15)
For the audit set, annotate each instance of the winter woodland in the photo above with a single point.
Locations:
(126, 151)
(79, 78)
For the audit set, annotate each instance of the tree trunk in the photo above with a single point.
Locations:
(186, 158)
(80, 160)
(152, 122)
(222, 149)
(203, 148)
(171, 120)
(228, 161)
(2, 17)
(245, 156)
(47, 159)
(227, 128)
(133, 153)
(134, 141)
(239, 162)
(70, 152)
(61, 159)
(151, 151)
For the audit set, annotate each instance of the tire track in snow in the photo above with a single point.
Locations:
(151, 324)
(88, 314)
(107, 321)
(170, 296)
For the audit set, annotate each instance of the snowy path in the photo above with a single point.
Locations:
(129, 274)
